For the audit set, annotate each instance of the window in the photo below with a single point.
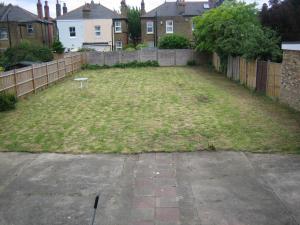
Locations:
(118, 27)
(169, 26)
(119, 45)
(150, 27)
(29, 28)
(206, 6)
(72, 31)
(193, 26)
(98, 31)
(3, 34)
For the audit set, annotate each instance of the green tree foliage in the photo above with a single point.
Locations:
(234, 29)
(283, 17)
(26, 51)
(134, 24)
(58, 47)
(173, 41)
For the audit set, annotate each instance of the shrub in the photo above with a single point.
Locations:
(1, 69)
(191, 63)
(7, 102)
(130, 49)
(173, 41)
(26, 51)
(134, 64)
(141, 46)
(58, 47)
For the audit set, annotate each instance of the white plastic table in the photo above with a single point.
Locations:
(81, 80)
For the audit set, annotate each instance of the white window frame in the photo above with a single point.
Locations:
(169, 28)
(206, 6)
(5, 32)
(118, 26)
(119, 45)
(29, 28)
(72, 32)
(150, 25)
(98, 31)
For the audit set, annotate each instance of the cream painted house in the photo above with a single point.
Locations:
(91, 26)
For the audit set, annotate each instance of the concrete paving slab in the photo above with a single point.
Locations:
(201, 188)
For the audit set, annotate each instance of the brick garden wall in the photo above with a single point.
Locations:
(290, 79)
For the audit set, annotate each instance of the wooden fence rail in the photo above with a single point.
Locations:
(258, 75)
(32, 78)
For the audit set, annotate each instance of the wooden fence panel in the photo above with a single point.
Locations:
(236, 68)
(7, 82)
(251, 74)
(52, 72)
(29, 79)
(216, 62)
(230, 67)
(24, 81)
(40, 75)
(243, 71)
(261, 76)
(273, 79)
(61, 68)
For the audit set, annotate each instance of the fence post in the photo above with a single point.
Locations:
(47, 74)
(33, 81)
(15, 81)
(72, 64)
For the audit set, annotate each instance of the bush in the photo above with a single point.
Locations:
(1, 69)
(26, 51)
(7, 102)
(191, 63)
(141, 46)
(134, 64)
(58, 47)
(174, 42)
(130, 49)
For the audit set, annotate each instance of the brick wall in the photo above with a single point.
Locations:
(290, 79)
(181, 25)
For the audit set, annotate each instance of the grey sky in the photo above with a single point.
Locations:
(30, 5)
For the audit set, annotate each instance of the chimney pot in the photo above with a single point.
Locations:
(40, 9)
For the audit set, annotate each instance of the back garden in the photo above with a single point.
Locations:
(144, 110)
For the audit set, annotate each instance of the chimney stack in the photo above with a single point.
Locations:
(40, 9)
(181, 6)
(143, 9)
(58, 9)
(123, 8)
(65, 9)
(47, 11)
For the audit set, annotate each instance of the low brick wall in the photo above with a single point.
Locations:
(178, 57)
(290, 79)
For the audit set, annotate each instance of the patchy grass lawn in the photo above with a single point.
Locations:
(149, 109)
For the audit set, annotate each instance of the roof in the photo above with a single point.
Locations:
(294, 46)
(170, 9)
(97, 11)
(17, 14)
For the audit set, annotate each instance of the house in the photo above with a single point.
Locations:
(171, 18)
(94, 26)
(17, 25)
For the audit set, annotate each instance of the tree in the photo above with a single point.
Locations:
(234, 29)
(173, 41)
(134, 24)
(283, 17)
(26, 51)
(58, 47)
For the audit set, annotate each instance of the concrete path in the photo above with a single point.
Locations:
(203, 188)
